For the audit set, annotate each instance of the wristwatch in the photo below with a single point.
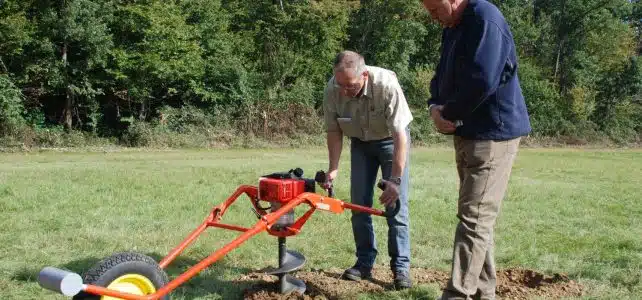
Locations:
(396, 180)
(430, 108)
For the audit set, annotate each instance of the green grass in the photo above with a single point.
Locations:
(572, 211)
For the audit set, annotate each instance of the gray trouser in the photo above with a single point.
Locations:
(484, 168)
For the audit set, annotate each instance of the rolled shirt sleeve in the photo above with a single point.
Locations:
(398, 114)
(329, 111)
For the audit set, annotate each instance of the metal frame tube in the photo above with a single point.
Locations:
(265, 223)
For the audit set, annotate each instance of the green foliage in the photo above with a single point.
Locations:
(619, 112)
(156, 56)
(388, 33)
(542, 99)
(127, 69)
(391, 34)
(416, 86)
(294, 47)
(15, 30)
(11, 107)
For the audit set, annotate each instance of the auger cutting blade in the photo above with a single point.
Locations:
(292, 284)
(293, 261)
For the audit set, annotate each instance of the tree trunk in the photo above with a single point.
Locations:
(265, 124)
(278, 2)
(560, 44)
(142, 114)
(68, 109)
(3, 68)
(561, 36)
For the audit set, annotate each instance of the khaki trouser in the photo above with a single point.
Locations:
(484, 167)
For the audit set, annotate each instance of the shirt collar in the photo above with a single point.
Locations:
(367, 86)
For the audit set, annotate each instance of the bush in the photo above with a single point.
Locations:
(422, 129)
(11, 108)
(417, 88)
(624, 126)
(543, 101)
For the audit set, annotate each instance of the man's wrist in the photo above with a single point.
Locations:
(395, 180)
(430, 108)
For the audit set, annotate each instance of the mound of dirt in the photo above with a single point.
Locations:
(326, 284)
(525, 284)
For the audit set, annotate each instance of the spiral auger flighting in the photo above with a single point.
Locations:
(289, 261)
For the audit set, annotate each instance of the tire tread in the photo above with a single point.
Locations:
(95, 273)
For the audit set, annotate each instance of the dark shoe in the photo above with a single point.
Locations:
(357, 273)
(402, 280)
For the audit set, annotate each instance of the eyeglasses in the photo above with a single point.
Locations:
(350, 86)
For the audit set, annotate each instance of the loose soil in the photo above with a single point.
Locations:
(326, 284)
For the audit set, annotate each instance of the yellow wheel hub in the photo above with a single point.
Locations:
(133, 284)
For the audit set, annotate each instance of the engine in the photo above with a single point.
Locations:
(283, 187)
(279, 188)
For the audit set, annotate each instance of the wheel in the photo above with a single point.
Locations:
(128, 272)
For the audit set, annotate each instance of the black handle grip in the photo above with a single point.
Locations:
(393, 209)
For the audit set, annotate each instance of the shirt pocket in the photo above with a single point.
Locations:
(349, 126)
(378, 121)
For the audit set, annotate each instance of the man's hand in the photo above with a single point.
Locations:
(329, 177)
(443, 125)
(390, 194)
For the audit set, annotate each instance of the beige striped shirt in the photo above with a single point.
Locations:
(378, 112)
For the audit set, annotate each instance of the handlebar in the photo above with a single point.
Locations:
(390, 211)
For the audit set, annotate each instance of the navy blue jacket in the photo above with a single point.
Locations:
(476, 78)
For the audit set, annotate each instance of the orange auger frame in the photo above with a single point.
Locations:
(265, 222)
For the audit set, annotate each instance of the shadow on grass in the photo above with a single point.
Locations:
(26, 275)
(207, 282)
(215, 281)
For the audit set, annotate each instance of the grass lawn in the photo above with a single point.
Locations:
(577, 212)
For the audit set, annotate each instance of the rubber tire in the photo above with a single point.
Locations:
(110, 268)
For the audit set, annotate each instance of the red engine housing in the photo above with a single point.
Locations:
(280, 190)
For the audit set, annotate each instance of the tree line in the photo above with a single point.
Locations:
(127, 69)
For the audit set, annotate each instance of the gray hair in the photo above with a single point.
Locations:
(349, 60)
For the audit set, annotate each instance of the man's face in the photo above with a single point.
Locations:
(349, 83)
(441, 11)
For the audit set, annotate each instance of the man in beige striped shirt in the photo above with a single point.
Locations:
(366, 104)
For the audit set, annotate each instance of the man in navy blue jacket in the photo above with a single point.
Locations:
(476, 97)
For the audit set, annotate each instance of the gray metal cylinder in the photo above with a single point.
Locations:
(61, 281)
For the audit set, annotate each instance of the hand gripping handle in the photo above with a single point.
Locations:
(392, 209)
(320, 177)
